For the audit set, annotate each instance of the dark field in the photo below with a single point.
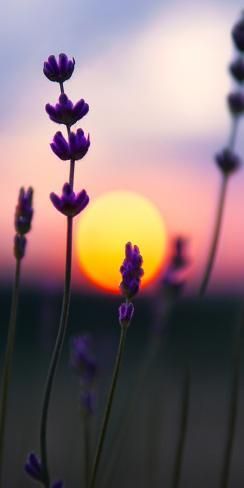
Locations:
(140, 449)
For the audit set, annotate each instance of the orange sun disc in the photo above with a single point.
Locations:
(107, 225)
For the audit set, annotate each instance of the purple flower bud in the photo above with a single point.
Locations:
(131, 271)
(24, 211)
(126, 311)
(228, 161)
(33, 467)
(236, 103)
(19, 246)
(82, 358)
(64, 112)
(237, 69)
(238, 34)
(60, 69)
(69, 203)
(57, 484)
(76, 148)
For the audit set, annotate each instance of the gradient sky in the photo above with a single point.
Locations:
(155, 76)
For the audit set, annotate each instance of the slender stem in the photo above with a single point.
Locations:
(219, 215)
(225, 475)
(216, 236)
(56, 353)
(87, 447)
(61, 87)
(233, 133)
(7, 366)
(183, 429)
(71, 173)
(108, 406)
(127, 413)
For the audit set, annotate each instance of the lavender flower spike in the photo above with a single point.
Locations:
(131, 271)
(76, 147)
(64, 112)
(69, 203)
(60, 69)
(24, 211)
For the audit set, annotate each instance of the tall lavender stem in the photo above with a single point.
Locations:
(216, 236)
(87, 447)
(8, 363)
(228, 162)
(108, 406)
(183, 429)
(56, 353)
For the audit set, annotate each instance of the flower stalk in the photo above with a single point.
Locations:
(69, 204)
(56, 354)
(22, 222)
(132, 272)
(7, 367)
(233, 409)
(108, 406)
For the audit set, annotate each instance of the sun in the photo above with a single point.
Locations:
(103, 230)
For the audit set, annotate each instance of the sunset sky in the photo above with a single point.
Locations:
(155, 76)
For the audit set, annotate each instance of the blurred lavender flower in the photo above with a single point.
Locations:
(75, 149)
(126, 311)
(19, 246)
(83, 360)
(228, 161)
(24, 211)
(64, 112)
(131, 271)
(238, 34)
(237, 69)
(33, 467)
(69, 203)
(236, 103)
(57, 484)
(34, 470)
(60, 69)
(84, 363)
(174, 277)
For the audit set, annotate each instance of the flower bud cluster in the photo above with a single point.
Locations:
(23, 219)
(77, 144)
(132, 272)
(227, 161)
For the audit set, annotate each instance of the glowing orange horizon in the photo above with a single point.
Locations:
(103, 230)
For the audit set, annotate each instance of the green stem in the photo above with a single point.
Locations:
(56, 354)
(7, 366)
(225, 475)
(216, 236)
(183, 430)
(108, 406)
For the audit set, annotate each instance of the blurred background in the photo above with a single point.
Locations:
(155, 75)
